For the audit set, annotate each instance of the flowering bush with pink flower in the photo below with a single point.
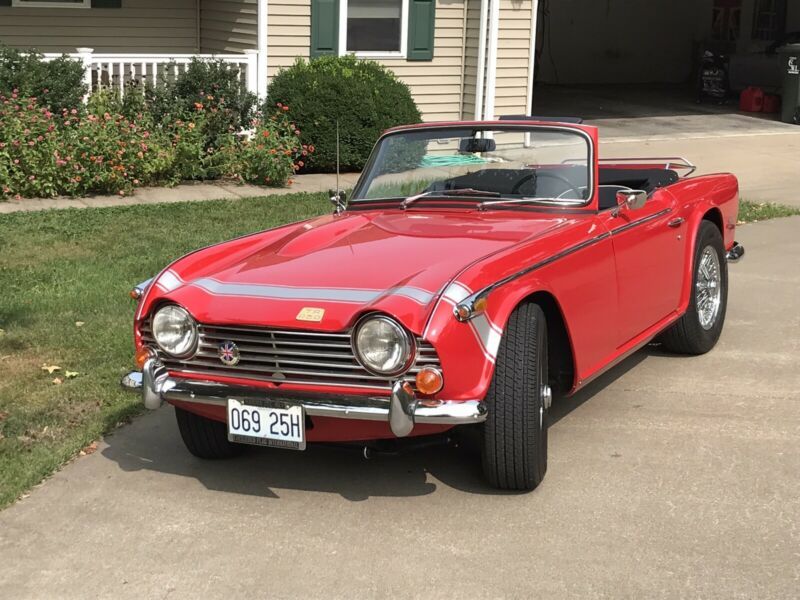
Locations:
(274, 152)
(74, 153)
(99, 151)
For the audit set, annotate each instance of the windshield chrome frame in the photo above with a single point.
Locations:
(488, 126)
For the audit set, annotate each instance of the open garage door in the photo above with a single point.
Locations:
(653, 41)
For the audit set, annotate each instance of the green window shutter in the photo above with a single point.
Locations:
(324, 27)
(106, 3)
(421, 26)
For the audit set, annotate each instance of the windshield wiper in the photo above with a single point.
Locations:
(459, 192)
(548, 201)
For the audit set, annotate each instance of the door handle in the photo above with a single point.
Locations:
(676, 222)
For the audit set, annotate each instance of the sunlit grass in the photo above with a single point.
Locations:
(65, 277)
(751, 212)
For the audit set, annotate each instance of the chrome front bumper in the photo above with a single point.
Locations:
(402, 410)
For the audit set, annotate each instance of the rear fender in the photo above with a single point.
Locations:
(715, 197)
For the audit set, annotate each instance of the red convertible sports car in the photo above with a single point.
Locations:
(478, 270)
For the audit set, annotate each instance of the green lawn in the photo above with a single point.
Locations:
(751, 212)
(65, 277)
(59, 268)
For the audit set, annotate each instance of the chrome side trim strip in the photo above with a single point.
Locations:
(641, 221)
(469, 302)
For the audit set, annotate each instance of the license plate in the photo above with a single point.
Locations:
(266, 425)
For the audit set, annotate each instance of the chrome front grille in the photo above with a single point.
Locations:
(285, 356)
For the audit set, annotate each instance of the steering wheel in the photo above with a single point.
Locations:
(570, 186)
(525, 179)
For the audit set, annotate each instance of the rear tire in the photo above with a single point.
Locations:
(698, 330)
(515, 431)
(205, 438)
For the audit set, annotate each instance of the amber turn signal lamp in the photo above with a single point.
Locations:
(135, 293)
(429, 380)
(141, 356)
(480, 304)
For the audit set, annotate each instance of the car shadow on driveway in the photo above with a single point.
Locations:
(562, 407)
(153, 443)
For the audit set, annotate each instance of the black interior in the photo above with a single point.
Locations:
(550, 182)
(542, 182)
(637, 179)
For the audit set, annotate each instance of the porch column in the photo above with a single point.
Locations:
(491, 60)
(532, 55)
(263, 45)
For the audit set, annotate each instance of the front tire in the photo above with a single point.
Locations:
(699, 328)
(515, 431)
(205, 438)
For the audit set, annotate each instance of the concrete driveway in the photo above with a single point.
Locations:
(670, 477)
(666, 121)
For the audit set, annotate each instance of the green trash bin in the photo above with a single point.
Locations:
(790, 67)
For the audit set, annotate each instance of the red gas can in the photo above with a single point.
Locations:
(752, 100)
(772, 103)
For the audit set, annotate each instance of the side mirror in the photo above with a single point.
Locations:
(631, 199)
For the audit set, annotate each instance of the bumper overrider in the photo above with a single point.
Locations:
(402, 409)
(736, 252)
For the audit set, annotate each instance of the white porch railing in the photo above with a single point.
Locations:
(121, 71)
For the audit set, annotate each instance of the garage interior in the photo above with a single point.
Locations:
(624, 59)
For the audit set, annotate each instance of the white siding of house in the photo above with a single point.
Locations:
(436, 85)
(228, 25)
(289, 33)
(444, 88)
(139, 26)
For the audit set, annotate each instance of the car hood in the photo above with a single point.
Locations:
(392, 261)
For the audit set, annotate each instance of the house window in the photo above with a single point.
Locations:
(52, 3)
(769, 20)
(373, 27)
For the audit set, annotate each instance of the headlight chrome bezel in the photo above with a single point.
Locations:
(404, 337)
(192, 348)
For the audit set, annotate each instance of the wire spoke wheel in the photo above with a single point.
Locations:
(708, 289)
(698, 330)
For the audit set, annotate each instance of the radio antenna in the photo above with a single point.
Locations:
(337, 196)
(338, 189)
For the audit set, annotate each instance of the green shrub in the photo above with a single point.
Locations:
(56, 84)
(211, 87)
(364, 96)
(132, 106)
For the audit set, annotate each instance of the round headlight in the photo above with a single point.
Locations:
(382, 345)
(175, 330)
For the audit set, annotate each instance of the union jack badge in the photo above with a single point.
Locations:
(228, 353)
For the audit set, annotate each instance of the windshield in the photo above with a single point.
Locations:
(486, 163)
